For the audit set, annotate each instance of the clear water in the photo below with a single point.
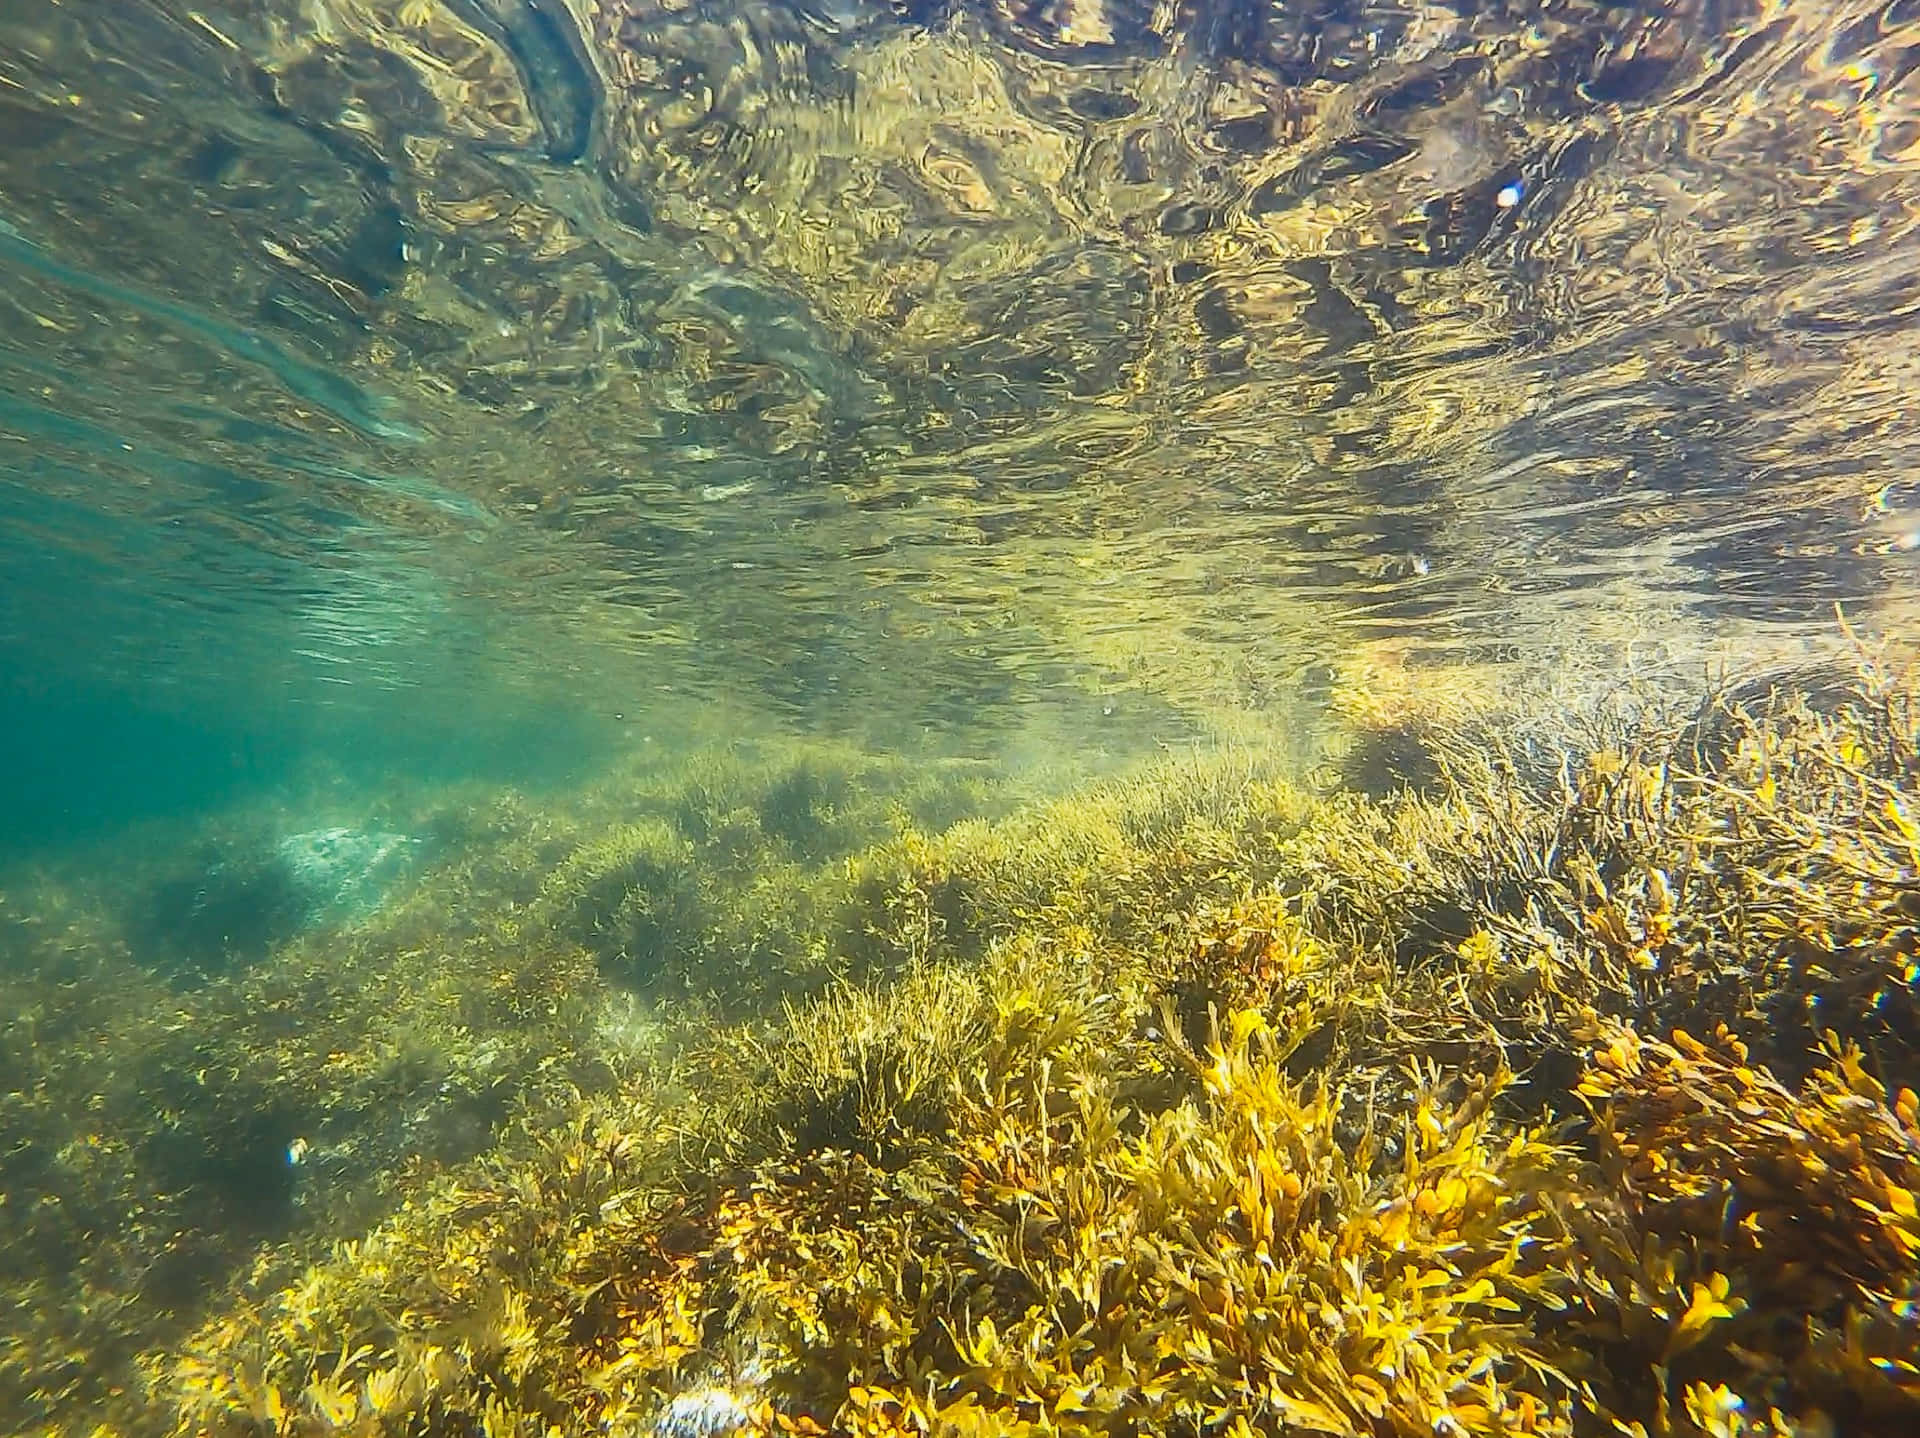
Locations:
(859, 361)
(397, 393)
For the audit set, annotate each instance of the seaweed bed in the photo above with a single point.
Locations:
(783, 1089)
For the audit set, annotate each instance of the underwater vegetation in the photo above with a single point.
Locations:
(1196, 1103)
(218, 1053)
(1568, 1092)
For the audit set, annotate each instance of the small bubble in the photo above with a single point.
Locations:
(1509, 195)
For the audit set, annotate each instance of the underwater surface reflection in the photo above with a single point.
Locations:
(882, 717)
(862, 357)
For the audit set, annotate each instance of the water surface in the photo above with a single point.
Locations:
(936, 361)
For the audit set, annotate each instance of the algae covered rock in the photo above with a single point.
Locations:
(242, 898)
(342, 874)
(734, 1095)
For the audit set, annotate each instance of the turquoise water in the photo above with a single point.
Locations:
(1004, 360)
(431, 432)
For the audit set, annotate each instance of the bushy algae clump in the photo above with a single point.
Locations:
(1562, 1097)
(1567, 1089)
(182, 1109)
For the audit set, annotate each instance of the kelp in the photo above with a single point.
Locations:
(1191, 1102)
(175, 1119)
(1063, 1260)
(1778, 1258)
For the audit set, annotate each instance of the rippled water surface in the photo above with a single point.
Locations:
(917, 361)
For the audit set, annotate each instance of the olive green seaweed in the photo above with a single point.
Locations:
(825, 1094)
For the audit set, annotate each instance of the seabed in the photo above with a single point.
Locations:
(1475, 1086)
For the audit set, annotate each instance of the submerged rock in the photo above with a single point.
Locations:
(703, 1413)
(341, 875)
(240, 900)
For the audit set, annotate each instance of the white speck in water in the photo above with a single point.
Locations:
(1509, 195)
